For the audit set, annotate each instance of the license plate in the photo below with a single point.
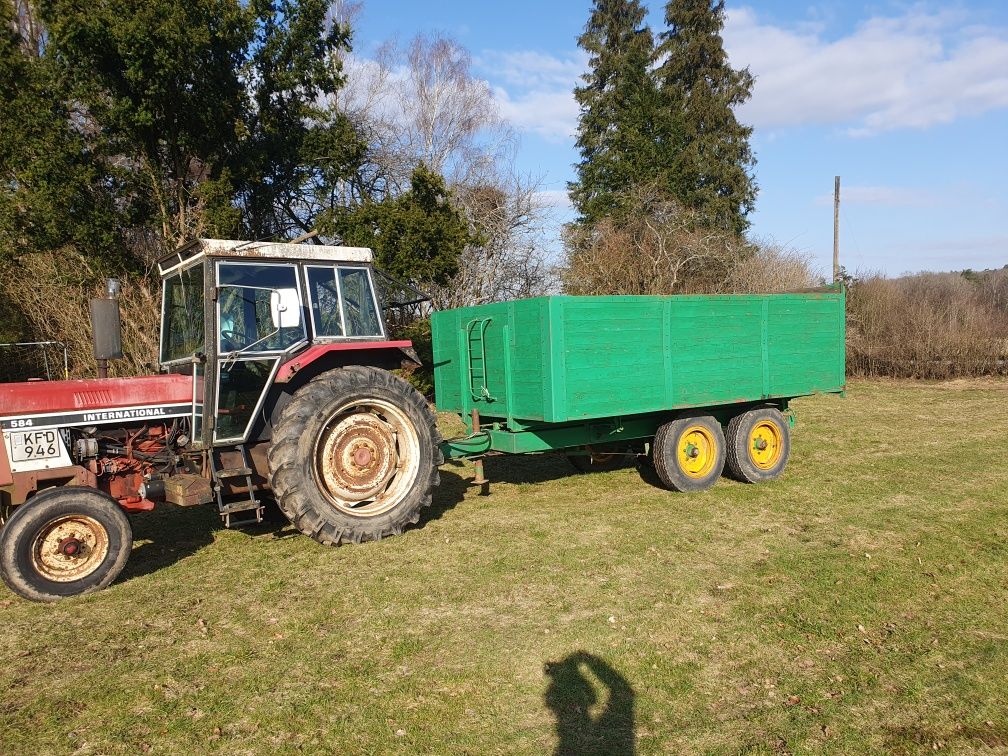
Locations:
(29, 445)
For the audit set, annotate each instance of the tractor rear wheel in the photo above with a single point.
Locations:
(64, 542)
(689, 453)
(759, 444)
(355, 456)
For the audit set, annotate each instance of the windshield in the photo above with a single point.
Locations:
(246, 292)
(182, 318)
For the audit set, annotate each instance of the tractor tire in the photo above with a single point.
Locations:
(64, 542)
(759, 445)
(689, 453)
(604, 458)
(355, 456)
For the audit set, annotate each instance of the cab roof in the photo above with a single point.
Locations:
(236, 249)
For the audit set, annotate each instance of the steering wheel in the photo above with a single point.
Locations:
(232, 339)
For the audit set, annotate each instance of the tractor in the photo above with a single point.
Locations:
(275, 377)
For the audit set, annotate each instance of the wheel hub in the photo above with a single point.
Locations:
(359, 456)
(765, 444)
(697, 451)
(69, 548)
(367, 457)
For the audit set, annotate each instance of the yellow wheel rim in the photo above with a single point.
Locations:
(765, 444)
(697, 451)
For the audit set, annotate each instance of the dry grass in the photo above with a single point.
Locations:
(51, 291)
(856, 606)
(928, 325)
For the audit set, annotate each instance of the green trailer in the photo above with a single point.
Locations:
(699, 382)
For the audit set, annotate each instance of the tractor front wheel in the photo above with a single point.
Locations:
(355, 456)
(64, 542)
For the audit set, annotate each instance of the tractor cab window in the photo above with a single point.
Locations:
(343, 302)
(259, 309)
(182, 315)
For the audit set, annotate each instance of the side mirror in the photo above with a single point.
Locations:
(285, 308)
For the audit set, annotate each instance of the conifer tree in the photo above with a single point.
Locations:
(617, 101)
(705, 157)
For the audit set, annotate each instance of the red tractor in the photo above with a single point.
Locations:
(274, 377)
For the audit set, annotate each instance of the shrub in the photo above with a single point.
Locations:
(928, 325)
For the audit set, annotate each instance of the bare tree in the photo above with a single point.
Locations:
(658, 247)
(423, 104)
(510, 263)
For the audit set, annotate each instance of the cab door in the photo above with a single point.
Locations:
(259, 317)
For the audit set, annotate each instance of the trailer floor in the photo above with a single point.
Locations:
(857, 605)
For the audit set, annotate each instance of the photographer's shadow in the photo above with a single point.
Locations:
(589, 721)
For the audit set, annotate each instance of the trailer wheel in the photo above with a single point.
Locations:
(689, 453)
(355, 456)
(64, 542)
(759, 444)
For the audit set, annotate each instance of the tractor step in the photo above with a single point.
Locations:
(242, 505)
(233, 472)
(229, 511)
(251, 509)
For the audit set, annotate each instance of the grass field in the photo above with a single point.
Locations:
(857, 605)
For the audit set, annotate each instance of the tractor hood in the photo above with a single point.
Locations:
(80, 396)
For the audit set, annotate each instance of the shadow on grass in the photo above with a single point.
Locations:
(542, 468)
(449, 492)
(587, 722)
(169, 534)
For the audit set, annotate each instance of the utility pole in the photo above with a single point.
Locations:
(836, 229)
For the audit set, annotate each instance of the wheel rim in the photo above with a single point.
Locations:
(367, 458)
(69, 548)
(765, 444)
(697, 451)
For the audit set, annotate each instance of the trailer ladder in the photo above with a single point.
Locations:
(476, 347)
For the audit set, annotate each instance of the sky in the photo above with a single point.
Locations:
(906, 102)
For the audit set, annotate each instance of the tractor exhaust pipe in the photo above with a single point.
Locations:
(106, 327)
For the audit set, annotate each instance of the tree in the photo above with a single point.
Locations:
(655, 246)
(53, 189)
(299, 153)
(417, 237)
(422, 105)
(704, 156)
(160, 84)
(617, 101)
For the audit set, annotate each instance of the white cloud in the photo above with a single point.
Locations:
(889, 73)
(533, 70)
(884, 196)
(535, 90)
(912, 70)
(554, 198)
(550, 113)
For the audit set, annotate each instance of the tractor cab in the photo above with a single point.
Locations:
(240, 316)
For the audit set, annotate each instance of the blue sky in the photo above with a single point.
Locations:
(907, 102)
